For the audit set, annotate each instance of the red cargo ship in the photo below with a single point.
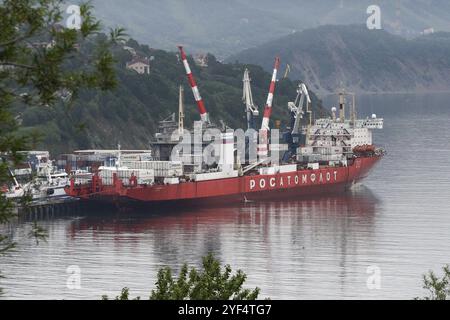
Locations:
(326, 156)
(238, 189)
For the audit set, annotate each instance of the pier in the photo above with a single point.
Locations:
(47, 209)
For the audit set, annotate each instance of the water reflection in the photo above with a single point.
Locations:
(286, 243)
(357, 206)
(359, 202)
(265, 238)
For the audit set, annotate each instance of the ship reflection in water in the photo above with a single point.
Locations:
(287, 248)
(255, 218)
(281, 245)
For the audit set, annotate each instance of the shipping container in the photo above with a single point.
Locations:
(313, 166)
(267, 171)
(144, 176)
(288, 168)
(171, 180)
(161, 168)
(215, 175)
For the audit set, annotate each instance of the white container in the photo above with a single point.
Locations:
(171, 180)
(215, 175)
(269, 170)
(288, 168)
(306, 150)
(314, 166)
(278, 147)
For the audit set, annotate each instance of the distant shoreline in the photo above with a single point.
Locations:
(360, 93)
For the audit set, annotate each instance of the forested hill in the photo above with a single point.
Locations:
(361, 59)
(129, 114)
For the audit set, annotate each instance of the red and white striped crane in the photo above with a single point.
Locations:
(263, 133)
(200, 105)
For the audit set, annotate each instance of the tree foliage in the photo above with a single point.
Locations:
(212, 282)
(43, 62)
(124, 295)
(438, 288)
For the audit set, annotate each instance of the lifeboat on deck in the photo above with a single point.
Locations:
(364, 149)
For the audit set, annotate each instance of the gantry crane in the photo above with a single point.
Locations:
(297, 110)
(250, 108)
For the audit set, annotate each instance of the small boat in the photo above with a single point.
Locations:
(47, 183)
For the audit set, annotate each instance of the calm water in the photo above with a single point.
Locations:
(397, 221)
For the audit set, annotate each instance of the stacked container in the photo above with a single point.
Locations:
(144, 176)
(161, 168)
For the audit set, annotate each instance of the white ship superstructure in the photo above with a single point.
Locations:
(336, 139)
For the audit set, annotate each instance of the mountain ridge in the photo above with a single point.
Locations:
(362, 60)
(224, 28)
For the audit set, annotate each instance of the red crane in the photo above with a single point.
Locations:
(263, 140)
(200, 105)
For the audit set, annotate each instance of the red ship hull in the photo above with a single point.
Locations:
(239, 189)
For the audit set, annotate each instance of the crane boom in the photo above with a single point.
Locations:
(200, 105)
(297, 109)
(287, 71)
(268, 107)
(263, 133)
(250, 108)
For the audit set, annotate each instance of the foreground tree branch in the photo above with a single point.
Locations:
(40, 60)
(210, 283)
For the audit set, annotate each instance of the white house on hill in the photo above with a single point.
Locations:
(140, 65)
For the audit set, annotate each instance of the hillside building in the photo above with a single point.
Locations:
(140, 65)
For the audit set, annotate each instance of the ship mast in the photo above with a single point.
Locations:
(263, 139)
(342, 105)
(342, 101)
(353, 108)
(200, 105)
(181, 111)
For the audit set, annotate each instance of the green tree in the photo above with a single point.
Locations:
(438, 288)
(43, 62)
(210, 283)
(124, 295)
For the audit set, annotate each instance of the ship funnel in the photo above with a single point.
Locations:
(227, 152)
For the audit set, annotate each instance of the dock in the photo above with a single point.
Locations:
(48, 208)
